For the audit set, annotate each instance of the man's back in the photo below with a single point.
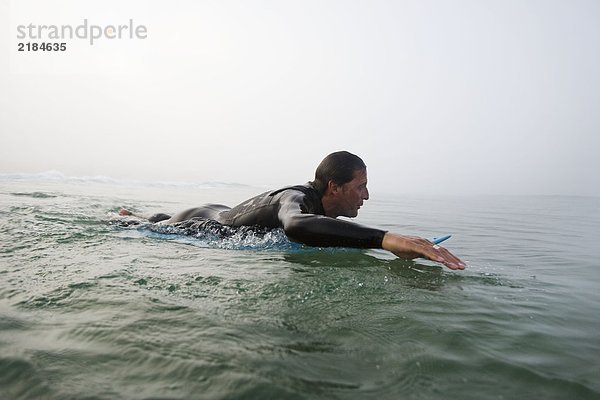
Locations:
(265, 209)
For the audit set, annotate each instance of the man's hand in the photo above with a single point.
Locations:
(414, 247)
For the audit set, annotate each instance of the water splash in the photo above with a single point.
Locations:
(209, 233)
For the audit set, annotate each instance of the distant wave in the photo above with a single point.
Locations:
(57, 176)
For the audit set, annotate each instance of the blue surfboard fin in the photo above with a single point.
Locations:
(440, 239)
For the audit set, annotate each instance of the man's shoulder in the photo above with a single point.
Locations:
(306, 188)
(302, 188)
(308, 197)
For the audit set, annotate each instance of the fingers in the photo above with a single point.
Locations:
(414, 247)
(439, 254)
(443, 256)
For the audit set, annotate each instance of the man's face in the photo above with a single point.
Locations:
(350, 196)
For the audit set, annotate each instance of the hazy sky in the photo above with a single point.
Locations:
(486, 97)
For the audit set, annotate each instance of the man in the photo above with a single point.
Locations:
(308, 213)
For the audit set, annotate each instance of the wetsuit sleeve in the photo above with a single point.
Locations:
(323, 231)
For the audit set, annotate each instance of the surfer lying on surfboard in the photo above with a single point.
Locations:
(308, 213)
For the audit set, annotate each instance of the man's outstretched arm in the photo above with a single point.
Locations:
(319, 230)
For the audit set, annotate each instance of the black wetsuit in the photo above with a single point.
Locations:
(296, 209)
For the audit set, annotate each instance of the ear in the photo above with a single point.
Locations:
(332, 187)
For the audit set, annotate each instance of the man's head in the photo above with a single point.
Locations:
(341, 178)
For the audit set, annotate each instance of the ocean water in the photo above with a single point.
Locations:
(90, 309)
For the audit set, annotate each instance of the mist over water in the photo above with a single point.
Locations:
(437, 97)
(91, 309)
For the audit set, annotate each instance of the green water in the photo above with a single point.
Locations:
(90, 310)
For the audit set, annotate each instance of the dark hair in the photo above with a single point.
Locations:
(338, 167)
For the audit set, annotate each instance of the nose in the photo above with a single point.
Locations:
(366, 194)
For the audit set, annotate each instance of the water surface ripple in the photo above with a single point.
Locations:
(90, 309)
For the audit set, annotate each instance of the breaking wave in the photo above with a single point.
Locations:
(57, 176)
